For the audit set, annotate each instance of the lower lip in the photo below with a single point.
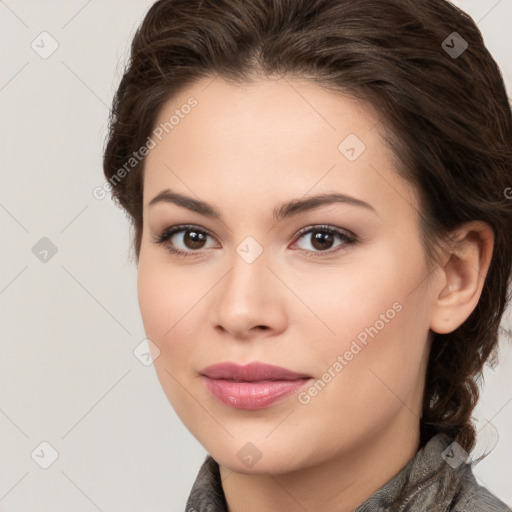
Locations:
(252, 395)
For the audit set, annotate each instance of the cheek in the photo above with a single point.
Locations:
(164, 300)
(378, 326)
(165, 296)
(362, 294)
(172, 305)
(155, 301)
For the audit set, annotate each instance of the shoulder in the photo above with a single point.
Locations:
(472, 497)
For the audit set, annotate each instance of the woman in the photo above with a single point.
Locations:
(317, 191)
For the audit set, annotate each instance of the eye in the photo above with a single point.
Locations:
(189, 240)
(183, 240)
(322, 239)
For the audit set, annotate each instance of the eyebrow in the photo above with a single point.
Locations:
(286, 210)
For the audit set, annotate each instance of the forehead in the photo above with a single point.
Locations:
(274, 137)
(292, 108)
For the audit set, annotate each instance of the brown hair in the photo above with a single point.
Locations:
(448, 118)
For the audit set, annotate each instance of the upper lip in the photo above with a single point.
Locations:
(251, 372)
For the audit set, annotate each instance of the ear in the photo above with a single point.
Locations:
(463, 275)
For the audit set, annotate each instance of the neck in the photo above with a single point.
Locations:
(339, 484)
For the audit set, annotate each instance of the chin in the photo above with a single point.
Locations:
(253, 458)
(274, 466)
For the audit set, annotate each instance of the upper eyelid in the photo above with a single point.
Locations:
(166, 234)
(305, 230)
(319, 227)
(184, 227)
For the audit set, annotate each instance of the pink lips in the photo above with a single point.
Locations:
(253, 386)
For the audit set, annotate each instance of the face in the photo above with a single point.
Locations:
(335, 289)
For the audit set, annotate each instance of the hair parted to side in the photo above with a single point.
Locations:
(448, 123)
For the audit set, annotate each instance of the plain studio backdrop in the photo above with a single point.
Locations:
(84, 423)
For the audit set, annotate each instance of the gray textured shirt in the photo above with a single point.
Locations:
(428, 483)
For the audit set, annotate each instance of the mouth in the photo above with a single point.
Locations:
(252, 386)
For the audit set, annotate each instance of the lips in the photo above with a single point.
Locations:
(250, 372)
(252, 386)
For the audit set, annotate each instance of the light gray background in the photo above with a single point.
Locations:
(69, 326)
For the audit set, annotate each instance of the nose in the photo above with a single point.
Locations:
(249, 301)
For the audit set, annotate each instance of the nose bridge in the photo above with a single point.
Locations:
(246, 297)
(248, 270)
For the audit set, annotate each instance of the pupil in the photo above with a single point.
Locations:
(194, 239)
(322, 240)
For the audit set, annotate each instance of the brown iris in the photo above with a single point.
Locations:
(194, 239)
(322, 240)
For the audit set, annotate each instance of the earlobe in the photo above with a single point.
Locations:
(467, 264)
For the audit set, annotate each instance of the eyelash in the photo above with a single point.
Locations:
(346, 237)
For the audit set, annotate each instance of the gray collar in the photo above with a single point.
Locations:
(434, 480)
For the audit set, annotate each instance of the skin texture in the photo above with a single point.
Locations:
(246, 150)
